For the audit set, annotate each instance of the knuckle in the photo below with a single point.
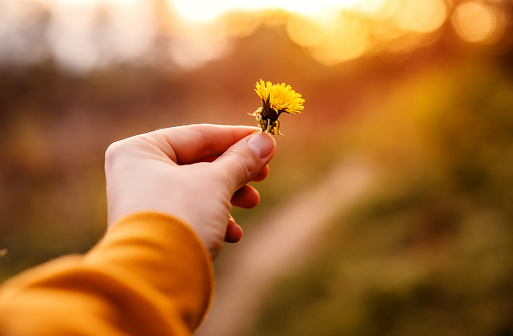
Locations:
(113, 151)
(116, 150)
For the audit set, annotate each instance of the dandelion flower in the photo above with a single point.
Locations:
(276, 99)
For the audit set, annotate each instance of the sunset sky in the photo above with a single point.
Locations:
(333, 31)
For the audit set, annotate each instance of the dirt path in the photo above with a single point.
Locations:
(264, 255)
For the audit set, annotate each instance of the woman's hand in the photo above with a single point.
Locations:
(194, 173)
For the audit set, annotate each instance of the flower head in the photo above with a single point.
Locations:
(276, 99)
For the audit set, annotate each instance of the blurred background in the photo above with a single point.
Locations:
(388, 210)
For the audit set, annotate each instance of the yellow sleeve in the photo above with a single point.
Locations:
(150, 275)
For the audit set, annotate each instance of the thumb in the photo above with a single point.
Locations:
(244, 160)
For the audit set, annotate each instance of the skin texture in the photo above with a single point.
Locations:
(195, 173)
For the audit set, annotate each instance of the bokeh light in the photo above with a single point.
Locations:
(204, 11)
(347, 39)
(87, 34)
(421, 16)
(477, 22)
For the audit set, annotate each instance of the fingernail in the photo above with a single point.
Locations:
(261, 144)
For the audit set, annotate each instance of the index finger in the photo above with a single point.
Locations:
(192, 143)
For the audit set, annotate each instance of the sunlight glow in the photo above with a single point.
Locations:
(83, 34)
(422, 16)
(332, 38)
(337, 31)
(476, 22)
(202, 11)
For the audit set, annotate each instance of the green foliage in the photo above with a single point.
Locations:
(431, 253)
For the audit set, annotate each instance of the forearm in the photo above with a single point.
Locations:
(149, 276)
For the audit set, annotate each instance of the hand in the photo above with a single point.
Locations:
(194, 173)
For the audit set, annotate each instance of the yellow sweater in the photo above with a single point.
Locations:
(150, 275)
